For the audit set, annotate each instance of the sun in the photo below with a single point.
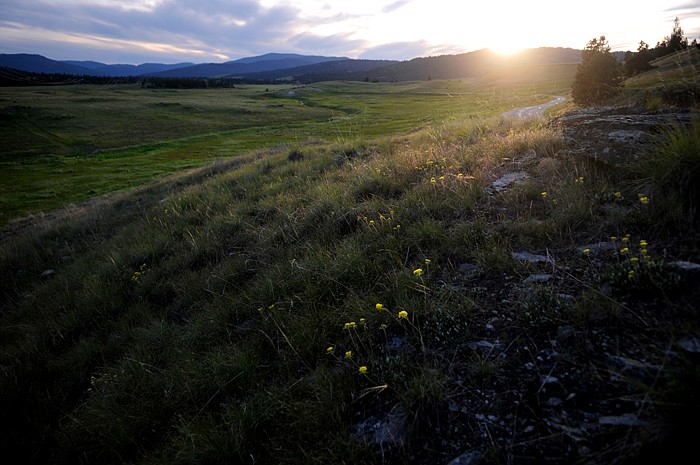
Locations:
(507, 48)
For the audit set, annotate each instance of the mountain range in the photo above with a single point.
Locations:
(271, 61)
(305, 68)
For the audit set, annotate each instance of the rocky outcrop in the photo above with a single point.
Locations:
(613, 135)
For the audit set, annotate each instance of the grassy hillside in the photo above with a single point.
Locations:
(66, 144)
(356, 300)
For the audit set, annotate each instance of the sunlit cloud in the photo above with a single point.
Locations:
(185, 30)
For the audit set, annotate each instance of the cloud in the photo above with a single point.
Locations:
(398, 51)
(212, 28)
(338, 44)
(395, 6)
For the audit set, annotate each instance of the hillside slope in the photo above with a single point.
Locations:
(454, 294)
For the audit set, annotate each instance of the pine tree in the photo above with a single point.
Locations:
(598, 75)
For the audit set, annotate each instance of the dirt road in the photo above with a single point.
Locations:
(532, 112)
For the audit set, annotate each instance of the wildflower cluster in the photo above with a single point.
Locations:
(359, 333)
(382, 223)
(136, 276)
(637, 269)
(441, 172)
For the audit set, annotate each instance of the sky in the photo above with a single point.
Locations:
(215, 31)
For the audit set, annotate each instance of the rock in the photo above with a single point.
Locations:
(628, 419)
(690, 345)
(468, 269)
(633, 367)
(531, 258)
(468, 458)
(568, 298)
(615, 135)
(506, 180)
(538, 278)
(554, 402)
(597, 248)
(686, 269)
(387, 430)
(565, 332)
(47, 273)
(484, 345)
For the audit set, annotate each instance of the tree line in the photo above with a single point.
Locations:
(599, 76)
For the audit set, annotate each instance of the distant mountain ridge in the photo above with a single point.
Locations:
(273, 67)
(243, 66)
(39, 64)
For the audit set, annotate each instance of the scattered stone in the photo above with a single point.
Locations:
(595, 249)
(468, 269)
(66, 258)
(633, 367)
(565, 332)
(531, 258)
(628, 419)
(529, 429)
(685, 268)
(468, 458)
(506, 180)
(389, 430)
(690, 344)
(554, 402)
(550, 380)
(568, 298)
(47, 273)
(396, 344)
(484, 345)
(538, 278)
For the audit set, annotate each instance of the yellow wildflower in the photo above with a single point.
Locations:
(634, 259)
(630, 274)
(349, 325)
(427, 261)
(544, 194)
(613, 238)
(330, 349)
(586, 251)
(643, 243)
(418, 271)
(348, 354)
(362, 370)
(403, 314)
(624, 250)
(379, 306)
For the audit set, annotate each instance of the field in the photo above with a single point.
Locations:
(61, 145)
(337, 274)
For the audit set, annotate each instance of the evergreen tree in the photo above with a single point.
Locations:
(598, 75)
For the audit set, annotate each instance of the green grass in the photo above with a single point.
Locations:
(69, 144)
(222, 314)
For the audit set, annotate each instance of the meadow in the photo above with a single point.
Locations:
(333, 278)
(60, 145)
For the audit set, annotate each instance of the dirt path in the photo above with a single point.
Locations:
(536, 111)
